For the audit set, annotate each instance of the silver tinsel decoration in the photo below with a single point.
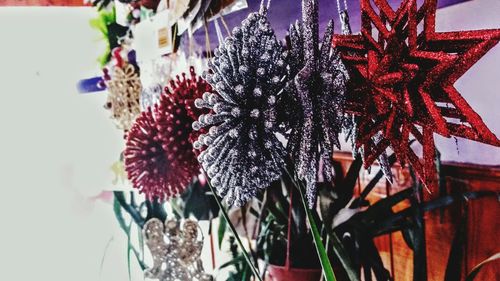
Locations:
(243, 154)
(150, 96)
(176, 252)
(317, 86)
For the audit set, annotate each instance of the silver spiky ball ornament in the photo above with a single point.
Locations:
(243, 154)
(316, 87)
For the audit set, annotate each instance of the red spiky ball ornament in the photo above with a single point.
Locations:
(146, 161)
(177, 108)
(404, 82)
(159, 156)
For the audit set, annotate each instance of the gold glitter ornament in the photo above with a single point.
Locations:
(124, 89)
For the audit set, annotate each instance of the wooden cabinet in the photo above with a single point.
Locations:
(481, 218)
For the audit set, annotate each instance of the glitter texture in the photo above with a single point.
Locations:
(242, 154)
(150, 96)
(147, 162)
(159, 156)
(177, 111)
(124, 89)
(176, 251)
(316, 88)
(406, 82)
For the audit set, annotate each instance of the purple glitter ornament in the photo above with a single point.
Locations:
(316, 89)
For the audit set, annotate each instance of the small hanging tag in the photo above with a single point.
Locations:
(146, 13)
(144, 41)
(177, 9)
(122, 11)
(163, 32)
(153, 37)
(344, 23)
(180, 7)
(185, 22)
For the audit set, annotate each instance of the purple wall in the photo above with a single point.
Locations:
(283, 12)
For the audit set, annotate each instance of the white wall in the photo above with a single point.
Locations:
(480, 86)
(56, 148)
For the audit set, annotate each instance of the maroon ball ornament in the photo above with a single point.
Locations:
(147, 163)
(403, 82)
(159, 157)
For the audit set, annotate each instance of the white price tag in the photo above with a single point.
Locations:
(153, 37)
(178, 8)
(122, 11)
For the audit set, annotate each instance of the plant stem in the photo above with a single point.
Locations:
(320, 248)
(233, 229)
(129, 209)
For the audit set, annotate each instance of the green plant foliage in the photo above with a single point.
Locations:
(323, 256)
(221, 231)
(255, 272)
(242, 270)
(198, 201)
(101, 23)
(111, 32)
(127, 228)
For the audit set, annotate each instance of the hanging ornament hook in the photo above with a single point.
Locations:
(344, 18)
(264, 8)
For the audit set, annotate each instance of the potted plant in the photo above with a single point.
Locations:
(285, 242)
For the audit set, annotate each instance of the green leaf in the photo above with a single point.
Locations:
(198, 202)
(120, 201)
(245, 274)
(478, 267)
(129, 246)
(320, 248)
(117, 208)
(343, 256)
(232, 262)
(176, 209)
(233, 230)
(221, 230)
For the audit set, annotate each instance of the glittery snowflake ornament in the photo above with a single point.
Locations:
(317, 85)
(243, 154)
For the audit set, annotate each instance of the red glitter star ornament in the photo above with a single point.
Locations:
(402, 82)
(159, 156)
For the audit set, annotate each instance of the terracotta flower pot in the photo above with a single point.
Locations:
(282, 273)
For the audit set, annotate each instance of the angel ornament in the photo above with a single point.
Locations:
(176, 251)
